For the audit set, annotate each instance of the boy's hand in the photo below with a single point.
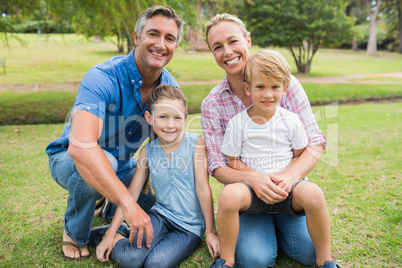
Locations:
(213, 245)
(266, 189)
(280, 182)
(104, 249)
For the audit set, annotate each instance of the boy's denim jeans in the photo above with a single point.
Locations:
(171, 244)
(82, 197)
(261, 234)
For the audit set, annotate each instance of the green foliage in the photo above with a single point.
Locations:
(300, 26)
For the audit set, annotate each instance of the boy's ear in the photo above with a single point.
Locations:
(285, 89)
(247, 89)
(148, 118)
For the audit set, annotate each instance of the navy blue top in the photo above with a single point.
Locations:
(110, 91)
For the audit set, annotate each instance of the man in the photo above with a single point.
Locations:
(94, 155)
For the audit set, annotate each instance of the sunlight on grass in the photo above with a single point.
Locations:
(56, 59)
(362, 189)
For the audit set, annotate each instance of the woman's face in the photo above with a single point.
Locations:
(229, 46)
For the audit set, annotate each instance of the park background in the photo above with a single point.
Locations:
(355, 90)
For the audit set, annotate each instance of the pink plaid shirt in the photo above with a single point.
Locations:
(221, 105)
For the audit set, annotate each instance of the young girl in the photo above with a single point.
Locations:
(177, 164)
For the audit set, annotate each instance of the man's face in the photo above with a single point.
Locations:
(157, 43)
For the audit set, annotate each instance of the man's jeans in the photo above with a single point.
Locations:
(171, 244)
(260, 235)
(82, 197)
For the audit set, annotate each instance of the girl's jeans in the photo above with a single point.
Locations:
(171, 244)
(82, 197)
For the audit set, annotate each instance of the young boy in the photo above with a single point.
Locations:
(268, 138)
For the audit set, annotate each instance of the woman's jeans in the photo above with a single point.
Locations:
(171, 244)
(260, 235)
(82, 197)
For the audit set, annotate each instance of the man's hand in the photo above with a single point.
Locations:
(140, 224)
(271, 191)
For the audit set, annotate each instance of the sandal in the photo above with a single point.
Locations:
(66, 243)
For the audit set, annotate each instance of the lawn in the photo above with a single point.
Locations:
(360, 172)
(360, 175)
(56, 59)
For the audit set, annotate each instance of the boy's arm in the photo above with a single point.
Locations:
(205, 197)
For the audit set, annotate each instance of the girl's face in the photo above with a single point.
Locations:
(167, 120)
(229, 46)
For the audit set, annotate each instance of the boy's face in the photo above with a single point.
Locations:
(265, 94)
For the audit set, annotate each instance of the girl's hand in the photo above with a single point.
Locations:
(213, 245)
(104, 249)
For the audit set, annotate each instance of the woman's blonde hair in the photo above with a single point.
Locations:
(218, 18)
(268, 63)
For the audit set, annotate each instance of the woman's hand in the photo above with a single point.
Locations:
(104, 249)
(213, 245)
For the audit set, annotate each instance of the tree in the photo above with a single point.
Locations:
(373, 6)
(300, 26)
(393, 12)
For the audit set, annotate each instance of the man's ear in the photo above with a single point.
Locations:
(247, 89)
(148, 118)
(136, 39)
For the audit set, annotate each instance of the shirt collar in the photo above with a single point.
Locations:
(134, 74)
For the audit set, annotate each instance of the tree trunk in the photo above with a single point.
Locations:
(399, 10)
(372, 43)
(355, 45)
(196, 36)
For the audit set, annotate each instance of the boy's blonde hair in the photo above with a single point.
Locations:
(269, 63)
(221, 18)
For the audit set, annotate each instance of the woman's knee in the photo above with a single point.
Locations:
(256, 257)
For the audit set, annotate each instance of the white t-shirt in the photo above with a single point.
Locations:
(266, 148)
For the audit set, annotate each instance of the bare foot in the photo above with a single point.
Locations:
(71, 251)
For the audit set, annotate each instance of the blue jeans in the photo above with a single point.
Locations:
(82, 197)
(171, 244)
(260, 235)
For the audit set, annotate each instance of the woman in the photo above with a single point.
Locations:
(260, 234)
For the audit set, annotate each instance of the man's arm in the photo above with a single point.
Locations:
(95, 169)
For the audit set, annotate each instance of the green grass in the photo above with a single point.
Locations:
(53, 106)
(56, 59)
(360, 175)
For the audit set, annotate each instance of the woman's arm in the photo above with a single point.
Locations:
(205, 197)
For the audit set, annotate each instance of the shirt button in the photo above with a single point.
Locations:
(117, 147)
(129, 133)
(140, 81)
(88, 108)
(132, 81)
